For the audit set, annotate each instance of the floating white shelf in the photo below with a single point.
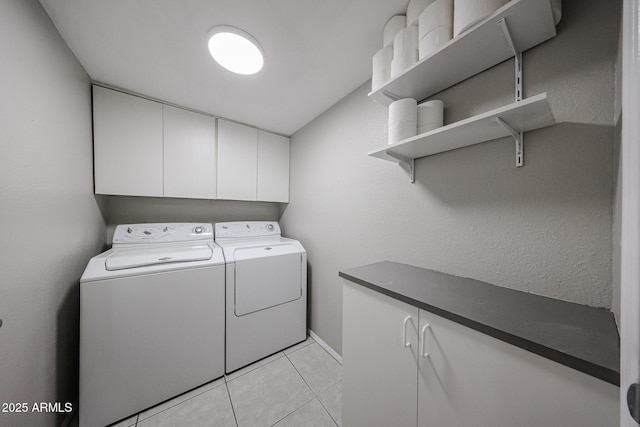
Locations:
(522, 116)
(530, 23)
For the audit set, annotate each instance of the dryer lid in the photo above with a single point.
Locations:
(140, 257)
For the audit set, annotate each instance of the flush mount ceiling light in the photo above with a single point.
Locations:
(235, 50)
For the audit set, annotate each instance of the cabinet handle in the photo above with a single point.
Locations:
(423, 351)
(404, 332)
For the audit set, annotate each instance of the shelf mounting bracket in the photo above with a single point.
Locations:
(407, 161)
(517, 55)
(517, 136)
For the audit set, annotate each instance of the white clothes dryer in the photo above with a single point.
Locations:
(266, 290)
(151, 319)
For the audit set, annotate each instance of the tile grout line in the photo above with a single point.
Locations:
(310, 400)
(315, 395)
(179, 403)
(324, 389)
(305, 381)
(326, 410)
(257, 367)
(231, 402)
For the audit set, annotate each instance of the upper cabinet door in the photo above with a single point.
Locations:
(237, 161)
(273, 167)
(127, 144)
(189, 154)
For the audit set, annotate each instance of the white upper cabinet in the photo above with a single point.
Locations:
(237, 161)
(273, 167)
(127, 144)
(189, 154)
(252, 164)
(146, 148)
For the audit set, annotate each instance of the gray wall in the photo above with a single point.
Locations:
(51, 224)
(545, 228)
(129, 210)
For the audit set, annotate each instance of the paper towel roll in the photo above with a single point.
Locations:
(391, 28)
(437, 14)
(432, 41)
(428, 127)
(414, 9)
(406, 40)
(403, 110)
(403, 119)
(430, 112)
(401, 130)
(381, 67)
(402, 62)
(466, 13)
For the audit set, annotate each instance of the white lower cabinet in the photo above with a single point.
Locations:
(380, 379)
(465, 379)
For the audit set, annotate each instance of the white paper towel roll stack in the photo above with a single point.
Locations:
(435, 26)
(381, 67)
(403, 119)
(430, 116)
(466, 13)
(405, 50)
(391, 28)
(414, 9)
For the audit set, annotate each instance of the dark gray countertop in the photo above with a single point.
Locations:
(581, 337)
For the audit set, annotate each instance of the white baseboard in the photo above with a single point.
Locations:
(326, 346)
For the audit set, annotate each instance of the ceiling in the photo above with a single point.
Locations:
(316, 52)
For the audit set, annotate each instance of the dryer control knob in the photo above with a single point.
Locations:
(270, 227)
(198, 230)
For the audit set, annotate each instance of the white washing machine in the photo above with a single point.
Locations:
(266, 290)
(151, 319)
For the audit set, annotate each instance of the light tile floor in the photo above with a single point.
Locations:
(300, 386)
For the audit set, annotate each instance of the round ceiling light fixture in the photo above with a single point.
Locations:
(235, 50)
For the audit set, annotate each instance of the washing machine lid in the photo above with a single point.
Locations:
(123, 259)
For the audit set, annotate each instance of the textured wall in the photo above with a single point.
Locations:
(545, 228)
(51, 224)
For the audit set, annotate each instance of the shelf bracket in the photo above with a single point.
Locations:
(517, 136)
(517, 55)
(407, 161)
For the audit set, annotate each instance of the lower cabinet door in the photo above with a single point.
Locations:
(379, 368)
(471, 379)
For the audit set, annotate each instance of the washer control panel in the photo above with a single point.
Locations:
(246, 229)
(161, 233)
